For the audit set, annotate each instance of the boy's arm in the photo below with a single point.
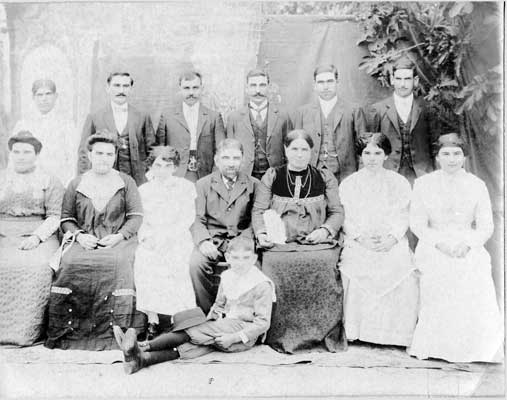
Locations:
(262, 314)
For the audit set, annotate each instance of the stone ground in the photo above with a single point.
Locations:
(361, 372)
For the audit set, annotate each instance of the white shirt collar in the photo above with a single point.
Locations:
(191, 109)
(404, 100)
(327, 105)
(226, 180)
(261, 106)
(118, 107)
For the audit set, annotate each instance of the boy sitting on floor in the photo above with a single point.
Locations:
(241, 313)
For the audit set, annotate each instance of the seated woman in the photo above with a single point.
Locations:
(308, 311)
(459, 319)
(30, 205)
(94, 287)
(161, 267)
(381, 288)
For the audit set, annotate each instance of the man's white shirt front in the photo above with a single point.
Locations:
(327, 105)
(191, 114)
(261, 109)
(120, 115)
(403, 106)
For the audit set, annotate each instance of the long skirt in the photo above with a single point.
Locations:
(308, 312)
(93, 290)
(459, 318)
(25, 281)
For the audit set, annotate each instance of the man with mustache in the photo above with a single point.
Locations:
(260, 127)
(192, 129)
(223, 211)
(135, 131)
(332, 123)
(406, 121)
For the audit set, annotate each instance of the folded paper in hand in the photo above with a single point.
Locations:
(275, 228)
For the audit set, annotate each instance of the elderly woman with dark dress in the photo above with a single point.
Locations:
(308, 312)
(30, 205)
(94, 286)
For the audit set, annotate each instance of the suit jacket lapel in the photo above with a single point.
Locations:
(238, 189)
(201, 119)
(109, 120)
(415, 113)
(393, 114)
(178, 115)
(338, 114)
(218, 185)
(316, 116)
(131, 129)
(272, 119)
(246, 120)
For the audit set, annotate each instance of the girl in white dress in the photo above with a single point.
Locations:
(381, 288)
(459, 319)
(162, 278)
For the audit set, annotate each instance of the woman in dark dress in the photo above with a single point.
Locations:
(309, 308)
(94, 286)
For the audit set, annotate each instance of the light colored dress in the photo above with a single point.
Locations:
(30, 204)
(162, 275)
(59, 140)
(381, 288)
(459, 319)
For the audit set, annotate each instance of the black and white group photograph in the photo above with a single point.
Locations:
(252, 199)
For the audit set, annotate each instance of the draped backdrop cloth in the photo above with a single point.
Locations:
(459, 319)
(381, 288)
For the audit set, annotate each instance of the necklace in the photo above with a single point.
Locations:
(298, 185)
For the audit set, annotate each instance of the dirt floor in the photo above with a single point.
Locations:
(361, 372)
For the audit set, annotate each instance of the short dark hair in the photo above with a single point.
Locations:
(113, 74)
(229, 143)
(257, 72)
(167, 153)
(298, 134)
(325, 68)
(240, 243)
(375, 138)
(405, 63)
(450, 140)
(189, 76)
(102, 136)
(41, 83)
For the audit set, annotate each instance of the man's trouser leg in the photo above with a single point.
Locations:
(205, 283)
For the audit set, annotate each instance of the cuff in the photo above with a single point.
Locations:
(328, 228)
(243, 337)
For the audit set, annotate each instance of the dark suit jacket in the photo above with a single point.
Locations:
(423, 132)
(141, 138)
(240, 127)
(349, 122)
(219, 211)
(173, 131)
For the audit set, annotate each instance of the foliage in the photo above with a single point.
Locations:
(438, 37)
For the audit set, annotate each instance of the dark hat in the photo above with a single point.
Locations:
(188, 318)
(25, 137)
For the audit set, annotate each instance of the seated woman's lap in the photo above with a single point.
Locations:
(309, 306)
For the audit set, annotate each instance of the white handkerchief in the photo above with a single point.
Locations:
(275, 228)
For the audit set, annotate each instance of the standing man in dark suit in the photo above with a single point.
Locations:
(332, 123)
(192, 129)
(405, 120)
(260, 127)
(135, 131)
(223, 211)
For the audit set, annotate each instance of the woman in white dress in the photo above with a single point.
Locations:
(161, 266)
(459, 319)
(58, 135)
(381, 288)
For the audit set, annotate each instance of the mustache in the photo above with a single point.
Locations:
(260, 94)
(121, 95)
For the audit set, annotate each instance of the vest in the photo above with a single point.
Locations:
(406, 163)
(261, 163)
(328, 156)
(123, 157)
